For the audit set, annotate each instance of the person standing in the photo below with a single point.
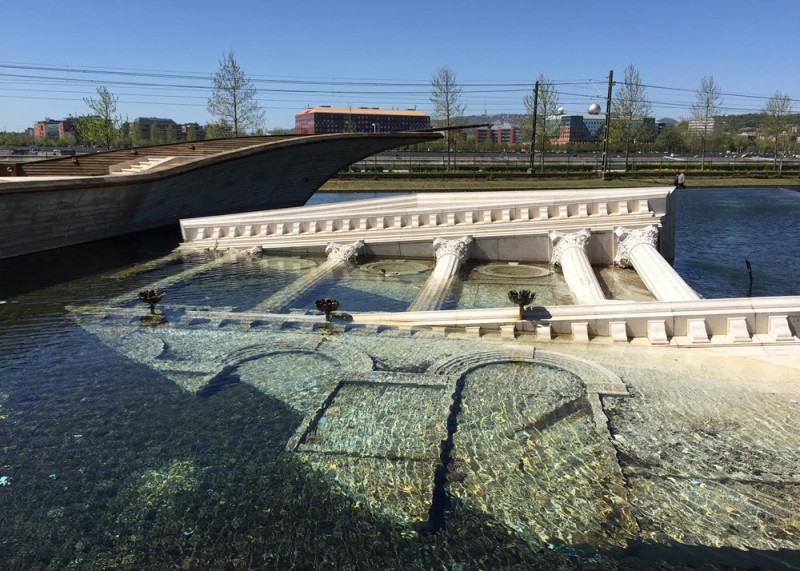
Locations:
(680, 180)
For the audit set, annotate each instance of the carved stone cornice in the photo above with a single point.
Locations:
(458, 248)
(629, 239)
(561, 241)
(344, 252)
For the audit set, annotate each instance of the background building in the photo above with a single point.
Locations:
(325, 119)
(160, 130)
(583, 128)
(704, 125)
(500, 132)
(54, 129)
(588, 127)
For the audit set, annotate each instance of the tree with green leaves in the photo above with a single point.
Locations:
(670, 140)
(233, 98)
(547, 122)
(219, 130)
(191, 132)
(103, 127)
(777, 124)
(708, 100)
(447, 106)
(629, 108)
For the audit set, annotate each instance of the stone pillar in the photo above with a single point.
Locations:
(340, 257)
(569, 252)
(637, 249)
(449, 254)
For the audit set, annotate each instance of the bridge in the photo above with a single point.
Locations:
(58, 202)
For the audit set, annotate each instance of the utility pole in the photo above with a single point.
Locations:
(533, 125)
(608, 120)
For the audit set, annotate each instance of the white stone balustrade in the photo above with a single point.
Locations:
(415, 217)
(450, 254)
(704, 322)
(569, 252)
(340, 258)
(637, 249)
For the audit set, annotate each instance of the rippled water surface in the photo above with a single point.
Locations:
(718, 229)
(111, 459)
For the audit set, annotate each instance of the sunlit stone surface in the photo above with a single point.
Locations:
(569, 252)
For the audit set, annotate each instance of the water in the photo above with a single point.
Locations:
(111, 464)
(718, 229)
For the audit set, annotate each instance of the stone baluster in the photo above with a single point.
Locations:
(569, 252)
(637, 249)
(449, 254)
(340, 258)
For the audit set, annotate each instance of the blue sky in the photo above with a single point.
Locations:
(301, 53)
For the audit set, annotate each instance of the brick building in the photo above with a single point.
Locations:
(54, 130)
(578, 128)
(325, 119)
(503, 133)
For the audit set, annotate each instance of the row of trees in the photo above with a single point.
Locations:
(627, 130)
(232, 101)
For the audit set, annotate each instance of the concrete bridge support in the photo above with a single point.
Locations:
(569, 252)
(340, 256)
(637, 249)
(450, 254)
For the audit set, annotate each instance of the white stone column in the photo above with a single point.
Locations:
(569, 252)
(637, 249)
(450, 254)
(340, 257)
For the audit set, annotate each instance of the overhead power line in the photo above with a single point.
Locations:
(189, 88)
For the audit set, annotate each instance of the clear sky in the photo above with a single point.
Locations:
(383, 54)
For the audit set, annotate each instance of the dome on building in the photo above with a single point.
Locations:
(594, 109)
(560, 110)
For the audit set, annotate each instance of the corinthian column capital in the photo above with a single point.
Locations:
(561, 241)
(458, 248)
(344, 252)
(629, 239)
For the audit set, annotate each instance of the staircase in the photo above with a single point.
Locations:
(143, 165)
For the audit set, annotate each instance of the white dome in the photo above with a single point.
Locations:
(594, 109)
(560, 110)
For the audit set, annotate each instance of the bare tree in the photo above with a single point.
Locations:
(776, 120)
(547, 123)
(706, 106)
(233, 98)
(103, 126)
(447, 105)
(629, 109)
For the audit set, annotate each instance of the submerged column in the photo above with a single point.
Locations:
(637, 249)
(569, 252)
(340, 257)
(450, 254)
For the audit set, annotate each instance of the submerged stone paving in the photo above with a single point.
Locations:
(704, 450)
(589, 447)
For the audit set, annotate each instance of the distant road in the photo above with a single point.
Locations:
(400, 159)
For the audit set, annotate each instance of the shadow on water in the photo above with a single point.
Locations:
(114, 466)
(119, 468)
(33, 271)
(225, 378)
